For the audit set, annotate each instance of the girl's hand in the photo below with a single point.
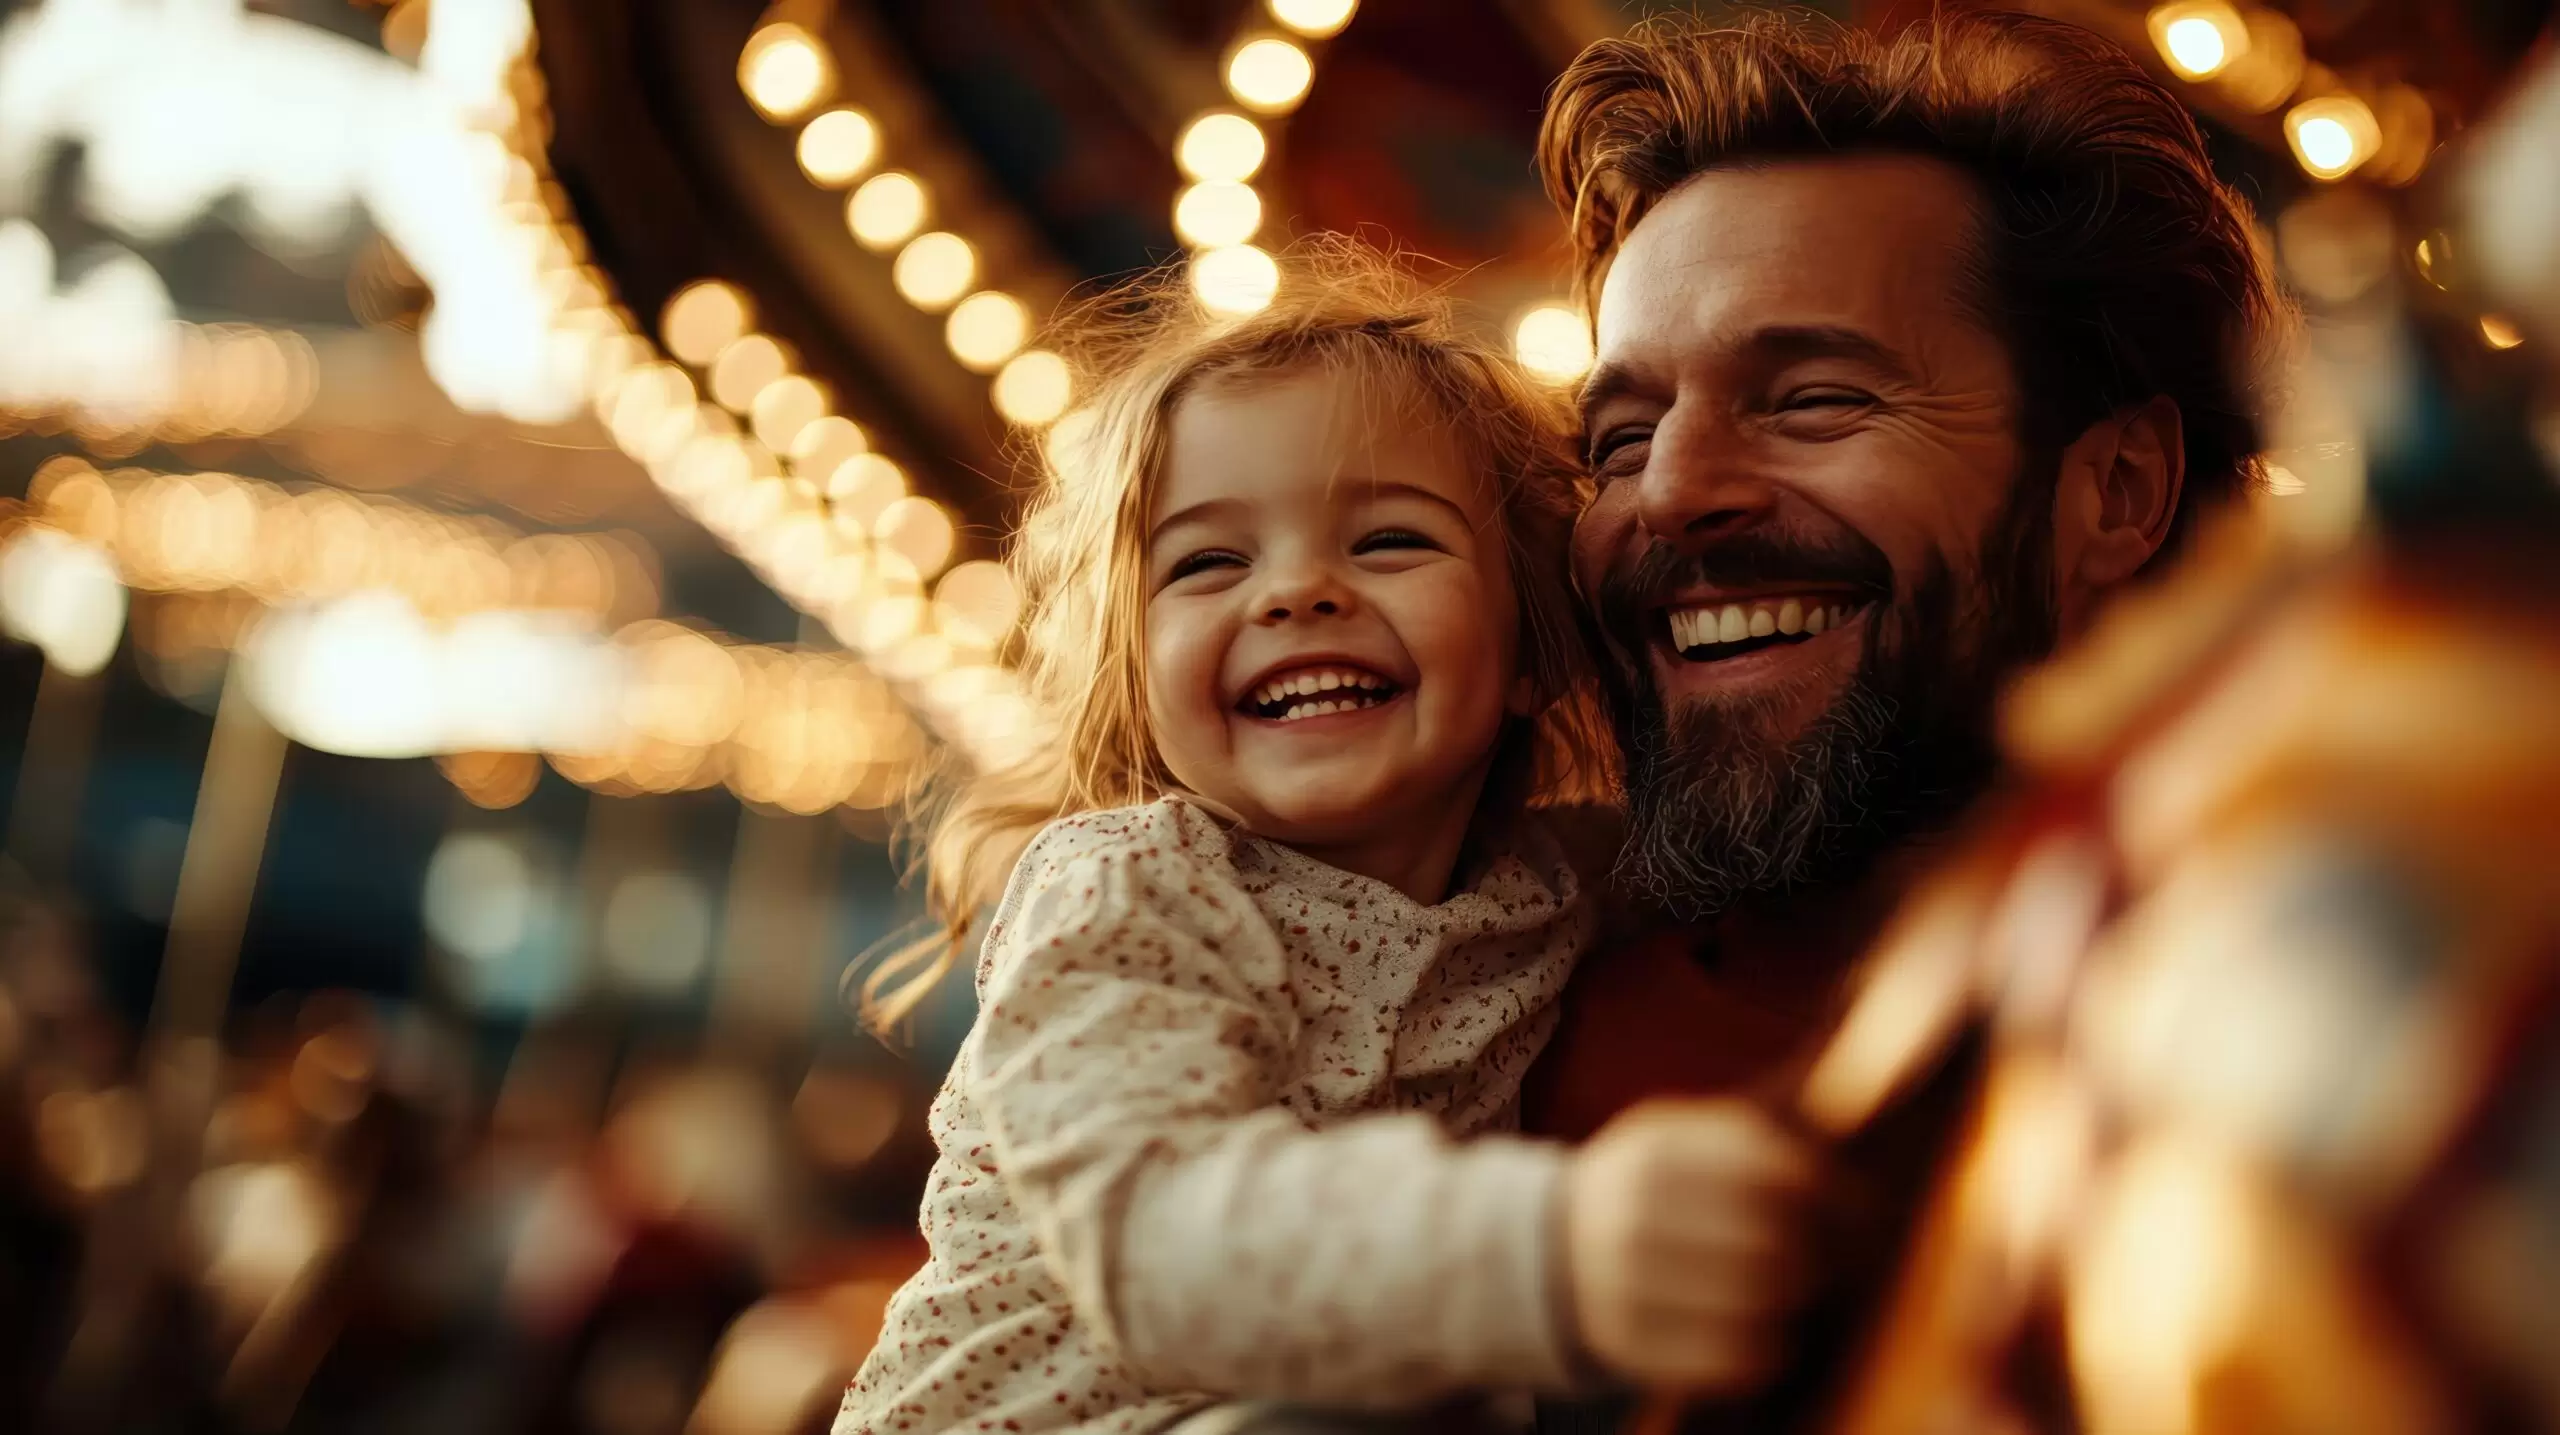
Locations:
(1685, 1229)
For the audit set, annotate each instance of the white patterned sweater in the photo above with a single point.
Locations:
(1200, 1142)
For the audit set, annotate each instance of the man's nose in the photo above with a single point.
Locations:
(1299, 590)
(1700, 482)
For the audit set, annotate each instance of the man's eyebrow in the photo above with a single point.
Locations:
(1773, 346)
(1787, 343)
(1196, 513)
(1609, 381)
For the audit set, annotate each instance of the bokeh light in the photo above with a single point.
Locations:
(918, 530)
(934, 269)
(743, 368)
(1220, 146)
(784, 71)
(2198, 38)
(1217, 212)
(785, 407)
(1553, 342)
(1236, 279)
(986, 329)
(885, 209)
(1269, 74)
(702, 318)
(1033, 388)
(976, 602)
(2332, 135)
(862, 488)
(836, 147)
(1314, 19)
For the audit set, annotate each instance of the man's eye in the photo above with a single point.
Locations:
(1202, 562)
(1817, 399)
(1389, 538)
(1619, 450)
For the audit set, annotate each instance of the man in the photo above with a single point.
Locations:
(1911, 350)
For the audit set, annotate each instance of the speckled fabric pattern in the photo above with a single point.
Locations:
(1204, 1141)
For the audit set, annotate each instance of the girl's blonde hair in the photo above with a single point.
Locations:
(1078, 558)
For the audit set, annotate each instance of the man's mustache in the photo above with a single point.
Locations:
(1759, 558)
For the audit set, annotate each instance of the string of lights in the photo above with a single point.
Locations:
(754, 451)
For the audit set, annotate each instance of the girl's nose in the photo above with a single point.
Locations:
(1306, 591)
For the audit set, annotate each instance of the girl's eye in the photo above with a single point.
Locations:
(1388, 538)
(1202, 562)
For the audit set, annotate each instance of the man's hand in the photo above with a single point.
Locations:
(1684, 1237)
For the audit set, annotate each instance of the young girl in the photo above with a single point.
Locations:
(1286, 936)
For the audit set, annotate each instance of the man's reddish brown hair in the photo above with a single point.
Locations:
(2108, 257)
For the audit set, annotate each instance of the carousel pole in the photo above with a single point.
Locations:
(181, 1056)
(53, 771)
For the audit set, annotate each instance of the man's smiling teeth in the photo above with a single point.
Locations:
(1735, 622)
(1317, 691)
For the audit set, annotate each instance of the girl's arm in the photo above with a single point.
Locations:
(1135, 1035)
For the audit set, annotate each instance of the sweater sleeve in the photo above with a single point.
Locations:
(1136, 1039)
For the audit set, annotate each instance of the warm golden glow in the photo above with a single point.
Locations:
(1034, 388)
(2199, 38)
(917, 530)
(836, 147)
(986, 329)
(1553, 342)
(1238, 279)
(1217, 212)
(824, 444)
(862, 488)
(2500, 332)
(885, 210)
(784, 71)
(743, 368)
(976, 603)
(934, 269)
(1314, 19)
(1269, 74)
(786, 406)
(703, 316)
(2332, 135)
(1220, 146)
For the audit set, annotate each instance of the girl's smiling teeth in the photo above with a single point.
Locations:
(1314, 692)
(1708, 631)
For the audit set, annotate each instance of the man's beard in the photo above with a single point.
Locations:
(1720, 809)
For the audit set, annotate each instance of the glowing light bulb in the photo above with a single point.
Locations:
(784, 407)
(1034, 388)
(2195, 48)
(2332, 135)
(784, 71)
(1237, 279)
(1221, 146)
(2500, 332)
(986, 329)
(1216, 213)
(702, 317)
(934, 269)
(743, 368)
(836, 147)
(1314, 19)
(885, 210)
(1552, 342)
(1270, 75)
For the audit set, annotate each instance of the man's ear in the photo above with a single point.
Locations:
(2115, 497)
